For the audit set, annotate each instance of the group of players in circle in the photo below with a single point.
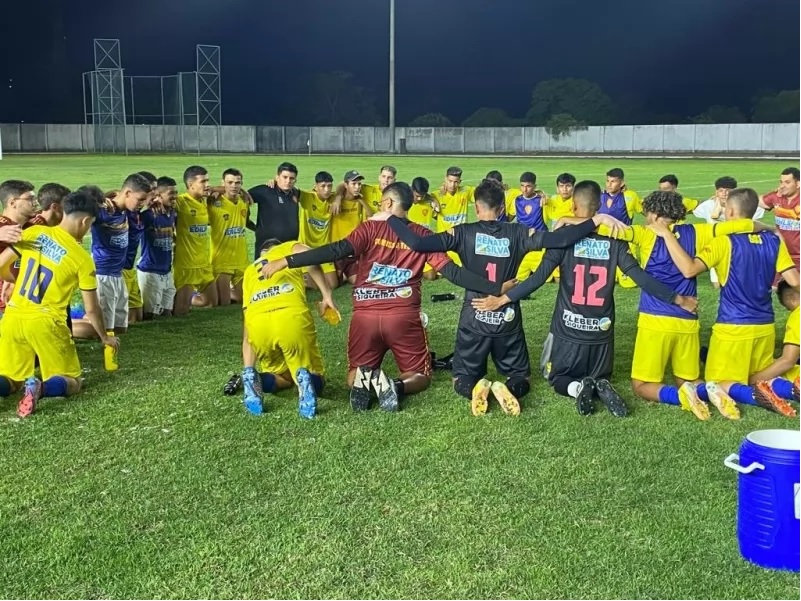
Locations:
(379, 238)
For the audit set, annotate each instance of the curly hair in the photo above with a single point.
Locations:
(667, 205)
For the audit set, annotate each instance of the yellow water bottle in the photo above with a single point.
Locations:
(110, 355)
(331, 316)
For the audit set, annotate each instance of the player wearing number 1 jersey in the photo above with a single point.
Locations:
(53, 263)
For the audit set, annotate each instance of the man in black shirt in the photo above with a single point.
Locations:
(277, 215)
(493, 248)
(583, 321)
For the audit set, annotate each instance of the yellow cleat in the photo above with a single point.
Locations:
(506, 399)
(478, 402)
(688, 397)
(720, 399)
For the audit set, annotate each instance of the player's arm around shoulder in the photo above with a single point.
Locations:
(689, 266)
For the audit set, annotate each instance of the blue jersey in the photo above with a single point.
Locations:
(110, 241)
(615, 206)
(662, 268)
(529, 213)
(135, 229)
(157, 242)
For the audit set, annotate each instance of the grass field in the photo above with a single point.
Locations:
(154, 484)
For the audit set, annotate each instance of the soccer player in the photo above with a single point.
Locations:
(155, 265)
(785, 202)
(494, 247)
(50, 198)
(192, 259)
(421, 214)
(279, 335)
(53, 264)
(530, 211)
(18, 204)
(743, 336)
(583, 323)
(386, 303)
(561, 204)
(372, 193)
(316, 218)
(353, 210)
(110, 249)
(228, 216)
(670, 183)
(135, 230)
(510, 194)
(620, 202)
(451, 202)
(278, 208)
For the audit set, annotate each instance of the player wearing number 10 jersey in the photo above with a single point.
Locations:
(52, 264)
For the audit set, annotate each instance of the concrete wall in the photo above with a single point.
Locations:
(735, 139)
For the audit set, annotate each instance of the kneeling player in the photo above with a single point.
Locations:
(279, 334)
(52, 264)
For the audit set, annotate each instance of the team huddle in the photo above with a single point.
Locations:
(384, 240)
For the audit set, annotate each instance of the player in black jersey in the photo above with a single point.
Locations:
(582, 326)
(494, 249)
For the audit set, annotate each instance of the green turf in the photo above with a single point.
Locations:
(153, 484)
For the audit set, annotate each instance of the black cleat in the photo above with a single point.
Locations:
(386, 391)
(233, 385)
(360, 392)
(609, 396)
(584, 400)
(443, 363)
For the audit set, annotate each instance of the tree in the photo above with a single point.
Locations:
(777, 108)
(563, 124)
(489, 117)
(334, 99)
(721, 114)
(431, 120)
(582, 99)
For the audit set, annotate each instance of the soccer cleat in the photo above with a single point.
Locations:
(584, 399)
(767, 399)
(254, 396)
(505, 398)
(689, 401)
(33, 392)
(796, 388)
(386, 391)
(360, 391)
(444, 363)
(610, 397)
(307, 397)
(480, 394)
(722, 401)
(233, 385)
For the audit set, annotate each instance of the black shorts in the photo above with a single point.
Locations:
(577, 361)
(509, 354)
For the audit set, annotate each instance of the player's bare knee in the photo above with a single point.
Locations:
(430, 275)
(637, 387)
(74, 385)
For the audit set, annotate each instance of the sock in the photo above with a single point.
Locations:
(573, 389)
(464, 387)
(700, 390)
(317, 383)
(267, 382)
(399, 387)
(55, 386)
(5, 387)
(742, 394)
(783, 389)
(669, 395)
(519, 387)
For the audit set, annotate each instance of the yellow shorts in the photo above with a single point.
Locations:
(737, 360)
(237, 274)
(22, 338)
(653, 349)
(197, 277)
(623, 280)
(285, 341)
(530, 264)
(131, 280)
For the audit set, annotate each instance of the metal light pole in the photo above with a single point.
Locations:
(392, 76)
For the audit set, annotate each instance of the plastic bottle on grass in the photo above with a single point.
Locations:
(332, 316)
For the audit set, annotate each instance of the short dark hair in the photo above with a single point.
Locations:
(268, 244)
(14, 188)
(528, 177)
(784, 292)
(286, 167)
(137, 182)
(665, 204)
(190, 173)
(669, 179)
(454, 171)
(587, 194)
(746, 201)
(420, 185)
(323, 177)
(94, 192)
(400, 192)
(616, 172)
(82, 202)
(496, 175)
(165, 182)
(566, 178)
(50, 194)
(490, 193)
(726, 182)
(148, 176)
(792, 171)
(232, 171)
(389, 168)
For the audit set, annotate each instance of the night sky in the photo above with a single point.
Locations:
(453, 56)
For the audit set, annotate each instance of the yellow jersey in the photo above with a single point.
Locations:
(315, 220)
(228, 220)
(421, 213)
(284, 290)
(453, 208)
(792, 336)
(192, 247)
(348, 219)
(52, 265)
(556, 208)
(372, 196)
(509, 202)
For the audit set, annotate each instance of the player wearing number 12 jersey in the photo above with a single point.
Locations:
(52, 264)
